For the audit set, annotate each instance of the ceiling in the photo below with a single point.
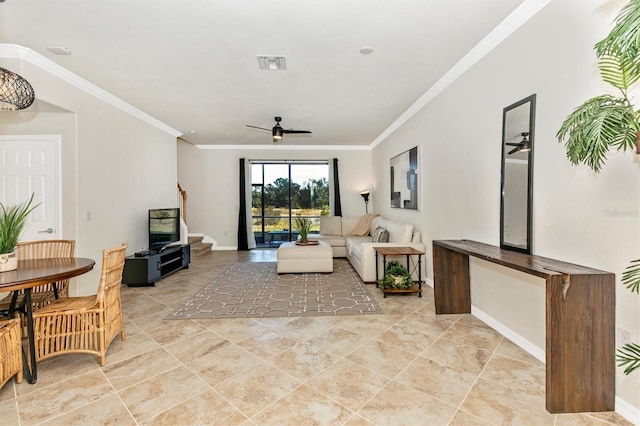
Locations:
(192, 64)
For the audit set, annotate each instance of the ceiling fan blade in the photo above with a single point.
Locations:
(256, 127)
(291, 131)
(514, 150)
(512, 144)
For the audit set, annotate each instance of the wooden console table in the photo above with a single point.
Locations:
(580, 319)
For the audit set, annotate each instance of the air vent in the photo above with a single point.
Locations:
(272, 63)
(59, 50)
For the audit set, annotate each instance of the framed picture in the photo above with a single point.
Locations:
(404, 180)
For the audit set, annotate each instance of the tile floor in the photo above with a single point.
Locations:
(405, 367)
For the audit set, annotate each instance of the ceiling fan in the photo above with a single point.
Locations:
(522, 146)
(277, 131)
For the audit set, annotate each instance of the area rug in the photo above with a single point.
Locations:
(254, 289)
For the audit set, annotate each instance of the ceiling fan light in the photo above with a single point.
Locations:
(277, 132)
(15, 92)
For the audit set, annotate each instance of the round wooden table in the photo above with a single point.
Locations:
(32, 273)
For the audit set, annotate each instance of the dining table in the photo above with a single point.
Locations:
(32, 273)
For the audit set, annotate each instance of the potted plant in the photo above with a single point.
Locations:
(304, 226)
(612, 121)
(12, 222)
(396, 276)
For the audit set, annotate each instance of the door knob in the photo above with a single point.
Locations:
(46, 231)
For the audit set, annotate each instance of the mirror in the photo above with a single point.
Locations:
(517, 175)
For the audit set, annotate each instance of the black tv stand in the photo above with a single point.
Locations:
(142, 271)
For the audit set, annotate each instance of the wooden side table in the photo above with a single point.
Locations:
(400, 251)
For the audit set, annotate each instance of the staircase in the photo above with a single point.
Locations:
(198, 248)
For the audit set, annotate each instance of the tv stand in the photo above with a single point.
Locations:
(142, 271)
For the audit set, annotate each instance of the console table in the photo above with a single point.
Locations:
(580, 319)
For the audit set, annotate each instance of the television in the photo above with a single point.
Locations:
(164, 227)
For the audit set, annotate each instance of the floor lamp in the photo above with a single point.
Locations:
(365, 195)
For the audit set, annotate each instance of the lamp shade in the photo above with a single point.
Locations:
(15, 92)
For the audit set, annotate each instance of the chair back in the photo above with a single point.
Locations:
(108, 297)
(45, 249)
(111, 277)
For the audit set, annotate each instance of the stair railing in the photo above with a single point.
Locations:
(182, 201)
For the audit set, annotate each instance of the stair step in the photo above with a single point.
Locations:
(195, 239)
(199, 249)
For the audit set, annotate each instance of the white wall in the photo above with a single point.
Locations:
(579, 216)
(210, 177)
(114, 166)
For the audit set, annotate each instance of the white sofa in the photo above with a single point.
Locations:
(337, 231)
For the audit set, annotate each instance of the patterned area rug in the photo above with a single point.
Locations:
(254, 289)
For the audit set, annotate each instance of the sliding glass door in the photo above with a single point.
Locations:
(284, 191)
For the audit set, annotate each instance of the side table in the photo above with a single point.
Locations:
(400, 251)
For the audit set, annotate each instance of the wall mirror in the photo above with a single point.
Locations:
(517, 175)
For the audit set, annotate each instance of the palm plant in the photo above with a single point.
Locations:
(12, 222)
(629, 354)
(611, 121)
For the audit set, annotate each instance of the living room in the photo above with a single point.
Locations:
(116, 162)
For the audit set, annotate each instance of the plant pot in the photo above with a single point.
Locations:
(8, 262)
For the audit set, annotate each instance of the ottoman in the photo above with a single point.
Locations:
(294, 258)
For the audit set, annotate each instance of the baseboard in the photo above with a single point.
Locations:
(623, 408)
(628, 411)
(526, 345)
(224, 248)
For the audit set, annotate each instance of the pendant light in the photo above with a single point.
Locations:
(15, 92)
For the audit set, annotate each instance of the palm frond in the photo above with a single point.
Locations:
(629, 356)
(596, 125)
(625, 35)
(619, 70)
(631, 276)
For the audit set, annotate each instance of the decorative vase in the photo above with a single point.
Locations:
(8, 262)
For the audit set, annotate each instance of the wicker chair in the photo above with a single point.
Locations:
(10, 351)
(42, 249)
(84, 324)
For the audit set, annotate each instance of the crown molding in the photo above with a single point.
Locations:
(288, 147)
(14, 51)
(515, 20)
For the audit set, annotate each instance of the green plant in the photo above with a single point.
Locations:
(629, 354)
(611, 121)
(12, 222)
(396, 276)
(304, 226)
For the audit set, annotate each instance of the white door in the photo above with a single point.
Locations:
(30, 164)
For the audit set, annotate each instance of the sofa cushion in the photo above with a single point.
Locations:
(332, 240)
(331, 225)
(398, 232)
(380, 235)
(348, 223)
(354, 245)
